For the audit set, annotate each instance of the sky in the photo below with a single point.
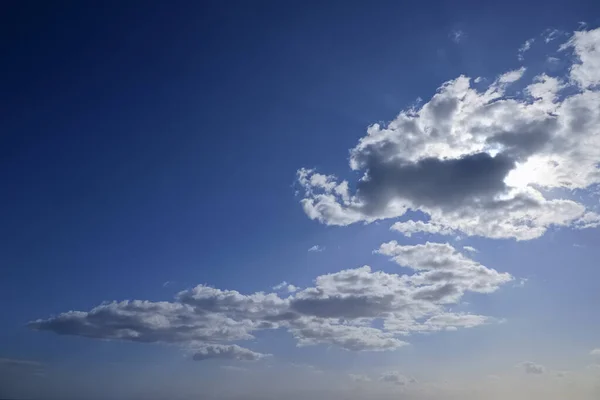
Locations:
(259, 200)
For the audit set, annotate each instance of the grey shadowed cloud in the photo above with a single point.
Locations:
(355, 309)
(477, 161)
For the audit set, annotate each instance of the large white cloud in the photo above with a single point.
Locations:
(480, 161)
(355, 309)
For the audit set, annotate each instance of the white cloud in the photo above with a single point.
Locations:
(470, 249)
(532, 368)
(512, 76)
(525, 47)
(316, 248)
(227, 352)
(355, 309)
(595, 352)
(550, 34)
(586, 46)
(476, 161)
(286, 286)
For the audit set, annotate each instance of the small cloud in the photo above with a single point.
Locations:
(511, 76)
(470, 249)
(579, 246)
(286, 286)
(561, 374)
(167, 284)
(550, 34)
(316, 248)
(525, 47)
(457, 35)
(532, 368)
(478, 79)
(521, 282)
(552, 60)
(582, 25)
(595, 352)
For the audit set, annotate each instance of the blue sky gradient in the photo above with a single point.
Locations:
(149, 147)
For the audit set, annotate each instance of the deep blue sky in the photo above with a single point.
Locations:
(151, 141)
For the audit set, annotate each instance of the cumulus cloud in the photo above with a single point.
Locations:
(286, 286)
(316, 248)
(478, 161)
(354, 309)
(227, 352)
(532, 368)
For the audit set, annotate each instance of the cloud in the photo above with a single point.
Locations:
(226, 352)
(525, 47)
(397, 378)
(477, 161)
(595, 352)
(457, 35)
(550, 34)
(470, 249)
(286, 286)
(354, 309)
(532, 368)
(586, 46)
(316, 248)
(512, 76)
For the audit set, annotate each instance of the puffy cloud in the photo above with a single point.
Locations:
(445, 267)
(316, 248)
(354, 309)
(585, 45)
(532, 368)
(286, 286)
(478, 161)
(227, 352)
(355, 338)
(470, 249)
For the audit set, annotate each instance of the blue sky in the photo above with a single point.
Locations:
(148, 148)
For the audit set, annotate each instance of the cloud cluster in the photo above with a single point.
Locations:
(493, 161)
(355, 309)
